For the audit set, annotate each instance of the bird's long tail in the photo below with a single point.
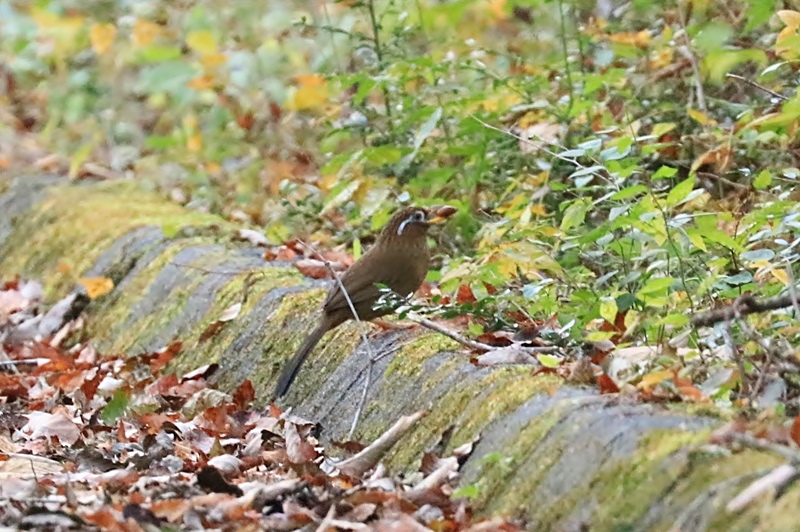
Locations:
(292, 367)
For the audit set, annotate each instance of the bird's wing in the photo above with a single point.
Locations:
(360, 280)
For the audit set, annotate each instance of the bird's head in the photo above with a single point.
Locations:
(413, 222)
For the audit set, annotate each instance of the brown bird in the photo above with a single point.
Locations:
(398, 259)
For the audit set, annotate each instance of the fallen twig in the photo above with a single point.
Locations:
(358, 464)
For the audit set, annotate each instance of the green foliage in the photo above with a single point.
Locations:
(116, 407)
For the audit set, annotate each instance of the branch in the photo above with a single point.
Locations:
(741, 306)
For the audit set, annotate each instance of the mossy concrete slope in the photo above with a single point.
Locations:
(562, 458)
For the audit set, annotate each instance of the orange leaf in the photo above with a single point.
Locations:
(144, 32)
(639, 38)
(465, 294)
(96, 286)
(795, 431)
(497, 8)
(690, 392)
(606, 385)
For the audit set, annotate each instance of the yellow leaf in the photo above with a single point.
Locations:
(212, 60)
(96, 286)
(47, 20)
(631, 320)
(195, 142)
(662, 58)
(202, 42)
(790, 18)
(781, 275)
(701, 117)
(311, 93)
(651, 379)
(539, 210)
(144, 32)
(102, 37)
(763, 263)
(64, 31)
(608, 309)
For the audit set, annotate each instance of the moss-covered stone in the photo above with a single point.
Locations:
(64, 234)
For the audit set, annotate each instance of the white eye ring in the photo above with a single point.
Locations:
(418, 216)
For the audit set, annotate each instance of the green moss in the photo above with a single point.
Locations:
(113, 324)
(63, 235)
(507, 481)
(630, 488)
(470, 406)
(197, 352)
(410, 358)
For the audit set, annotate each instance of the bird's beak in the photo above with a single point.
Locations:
(441, 213)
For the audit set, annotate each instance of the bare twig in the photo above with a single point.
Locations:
(538, 146)
(793, 290)
(367, 383)
(791, 455)
(741, 306)
(771, 482)
(727, 334)
(686, 51)
(364, 339)
(472, 344)
(758, 86)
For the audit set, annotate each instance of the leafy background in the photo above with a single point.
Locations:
(617, 167)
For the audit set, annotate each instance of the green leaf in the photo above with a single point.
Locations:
(654, 285)
(598, 336)
(629, 192)
(674, 320)
(696, 238)
(680, 191)
(575, 214)
(713, 36)
(549, 361)
(719, 63)
(664, 172)
(157, 54)
(762, 180)
(718, 237)
(470, 491)
(608, 309)
(419, 139)
(116, 407)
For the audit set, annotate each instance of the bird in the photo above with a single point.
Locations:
(399, 259)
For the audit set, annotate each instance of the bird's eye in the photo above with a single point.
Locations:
(419, 216)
